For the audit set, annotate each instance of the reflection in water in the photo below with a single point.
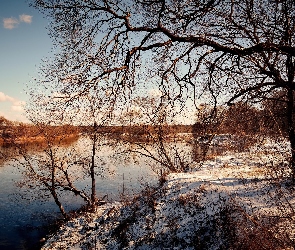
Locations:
(9, 151)
(20, 228)
(24, 215)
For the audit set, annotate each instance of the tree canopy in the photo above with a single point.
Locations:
(241, 46)
(220, 51)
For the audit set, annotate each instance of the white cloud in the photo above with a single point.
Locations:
(25, 18)
(6, 98)
(10, 23)
(15, 108)
(18, 106)
(14, 116)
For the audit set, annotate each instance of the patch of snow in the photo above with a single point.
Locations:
(186, 212)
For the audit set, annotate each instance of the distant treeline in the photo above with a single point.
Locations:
(140, 129)
(19, 133)
(240, 118)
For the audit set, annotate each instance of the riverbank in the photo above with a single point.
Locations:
(236, 200)
(40, 140)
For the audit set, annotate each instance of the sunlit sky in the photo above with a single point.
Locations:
(24, 42)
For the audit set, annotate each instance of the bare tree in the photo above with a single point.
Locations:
(234, 49)
(57, 169)
(46, 169)
(95, 112)
(150, 135)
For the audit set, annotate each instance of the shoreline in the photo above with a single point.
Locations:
(237, 184)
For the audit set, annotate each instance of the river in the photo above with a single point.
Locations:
(25, 215)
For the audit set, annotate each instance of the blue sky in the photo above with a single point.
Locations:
(24, 42)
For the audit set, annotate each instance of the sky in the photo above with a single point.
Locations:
(24, 42)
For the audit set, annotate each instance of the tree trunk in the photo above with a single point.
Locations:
(290, 112)
(52, 187)
(291, 132)
(58, 203)
(92, 171)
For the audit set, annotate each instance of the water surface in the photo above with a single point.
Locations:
(24, 215)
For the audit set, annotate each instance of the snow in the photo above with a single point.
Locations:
(193, 209)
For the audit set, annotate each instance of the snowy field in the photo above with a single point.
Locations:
(232, 201)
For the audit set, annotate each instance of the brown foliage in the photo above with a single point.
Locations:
(21, 133)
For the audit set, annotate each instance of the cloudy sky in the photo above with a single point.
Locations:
(23, 44)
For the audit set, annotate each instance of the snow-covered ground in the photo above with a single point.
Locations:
(232, 201)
